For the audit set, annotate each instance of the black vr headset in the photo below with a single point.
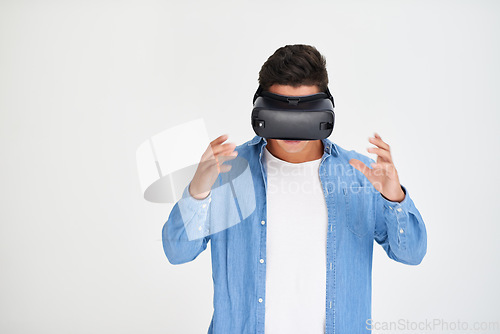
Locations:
(308, 117)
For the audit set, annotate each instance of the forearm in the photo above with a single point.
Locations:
(185, 234)
(400, 230)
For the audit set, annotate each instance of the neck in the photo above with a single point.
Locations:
(312, 150)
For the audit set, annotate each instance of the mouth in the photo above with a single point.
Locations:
(292, 142)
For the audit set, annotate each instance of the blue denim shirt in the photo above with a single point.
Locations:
(357, 215)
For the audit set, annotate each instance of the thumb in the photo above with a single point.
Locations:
(359, 165)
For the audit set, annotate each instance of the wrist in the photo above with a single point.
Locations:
(398, 198)
(198, 195)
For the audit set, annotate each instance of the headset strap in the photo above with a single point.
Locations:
(293, 99)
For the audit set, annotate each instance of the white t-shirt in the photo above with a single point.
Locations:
(297, 222)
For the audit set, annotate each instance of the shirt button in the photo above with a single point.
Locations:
(401, 231)
(260, 300)
(262, 222)
(261, 261)
(399, 209)
(204, 206)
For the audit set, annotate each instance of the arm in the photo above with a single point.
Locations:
(186, 233)
(400, 229)
(187, 230)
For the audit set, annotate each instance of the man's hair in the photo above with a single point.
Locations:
(295, 65)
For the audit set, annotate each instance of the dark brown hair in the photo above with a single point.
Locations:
(295, 65)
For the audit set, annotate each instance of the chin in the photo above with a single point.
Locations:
(293, 147)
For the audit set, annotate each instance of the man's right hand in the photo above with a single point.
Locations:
(211, 164)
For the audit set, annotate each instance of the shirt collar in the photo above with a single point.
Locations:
(329, 147)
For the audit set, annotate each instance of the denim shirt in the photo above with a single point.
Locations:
(357, 215)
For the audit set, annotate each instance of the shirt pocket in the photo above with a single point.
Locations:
(360, 209)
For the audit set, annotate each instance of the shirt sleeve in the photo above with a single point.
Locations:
(186, 233)
(400, 229)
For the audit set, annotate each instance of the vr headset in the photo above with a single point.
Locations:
(308, 117)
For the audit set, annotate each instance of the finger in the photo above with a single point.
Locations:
(383, 154)
(379, 142)
(225, 168)
(218, 168)
(228, 153)
(214, 143)
(219, 159)
(385, 166)
(377, 135)
(378, 168)
(207, 165)
(223, 149)
(208, 154)
(219, 140)
(215, 150)
(359, 165)
(223, 158)
(221, 167)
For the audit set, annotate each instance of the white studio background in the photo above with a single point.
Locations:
(82, 84)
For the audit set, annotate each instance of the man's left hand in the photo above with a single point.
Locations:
(383, 175)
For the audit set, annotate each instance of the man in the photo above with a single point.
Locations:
(301, 261)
